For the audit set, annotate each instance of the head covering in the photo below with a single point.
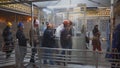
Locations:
(36, 23)
(20, 24)
(96, 26)
(65, 23)
(9, 24)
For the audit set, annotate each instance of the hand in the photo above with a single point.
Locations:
(68, 36)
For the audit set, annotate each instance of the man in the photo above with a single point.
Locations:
(22, 42)
(66, 36)
(8, 39)
(34, 39)
(115, 48)
(49, 42)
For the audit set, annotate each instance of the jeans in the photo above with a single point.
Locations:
(67, 47)
(48, 56)
(64, 52)
(34, 51)
(22, 52)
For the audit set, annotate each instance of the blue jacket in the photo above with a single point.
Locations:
(48, 38)
(22, 41)
(115, 44)
(116, 38)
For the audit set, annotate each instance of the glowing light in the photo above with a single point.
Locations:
(29, 19)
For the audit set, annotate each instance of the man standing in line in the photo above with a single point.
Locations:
(8, 39)
(66, 37)
(49, 42)
(22, 42)
(34, 40)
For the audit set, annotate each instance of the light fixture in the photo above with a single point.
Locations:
(62, 6)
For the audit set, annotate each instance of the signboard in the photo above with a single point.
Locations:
(20, 7)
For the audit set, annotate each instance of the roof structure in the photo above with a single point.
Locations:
(89, 3)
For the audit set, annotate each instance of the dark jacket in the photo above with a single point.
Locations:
(48, 38)
(115, 45)
(95, 30)
(35, 35)
(64, 39)
(22, 41)
(7, 36)
(116, 38)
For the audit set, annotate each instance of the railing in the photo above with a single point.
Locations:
(77, 57)
(7, 61)
(71, 58)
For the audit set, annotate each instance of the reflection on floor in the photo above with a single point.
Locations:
(68, 66)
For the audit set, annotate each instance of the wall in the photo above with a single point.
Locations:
(14, 19)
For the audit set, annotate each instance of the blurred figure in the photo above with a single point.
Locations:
(96, 39)
(58, 30)
(115, 48)
(45, 26)
(95, 30)
(49, 42)
(34, 39)
(22, 42)
(57, 35)
(70, 30)
(8, 39)
(66, 37)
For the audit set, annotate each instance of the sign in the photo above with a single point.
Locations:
(20, 7)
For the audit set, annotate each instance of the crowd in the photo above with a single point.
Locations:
(48, 40)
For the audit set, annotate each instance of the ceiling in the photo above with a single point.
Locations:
(89, 3)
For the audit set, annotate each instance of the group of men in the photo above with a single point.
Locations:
(9, 43)
(48, 39)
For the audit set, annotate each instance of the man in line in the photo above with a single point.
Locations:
(8, 39)
(49, 42)
(22, 42)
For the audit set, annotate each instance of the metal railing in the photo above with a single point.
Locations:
(79, 57)
(69, 59)
(10, 60)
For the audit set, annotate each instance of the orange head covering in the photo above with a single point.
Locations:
(65, 23)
